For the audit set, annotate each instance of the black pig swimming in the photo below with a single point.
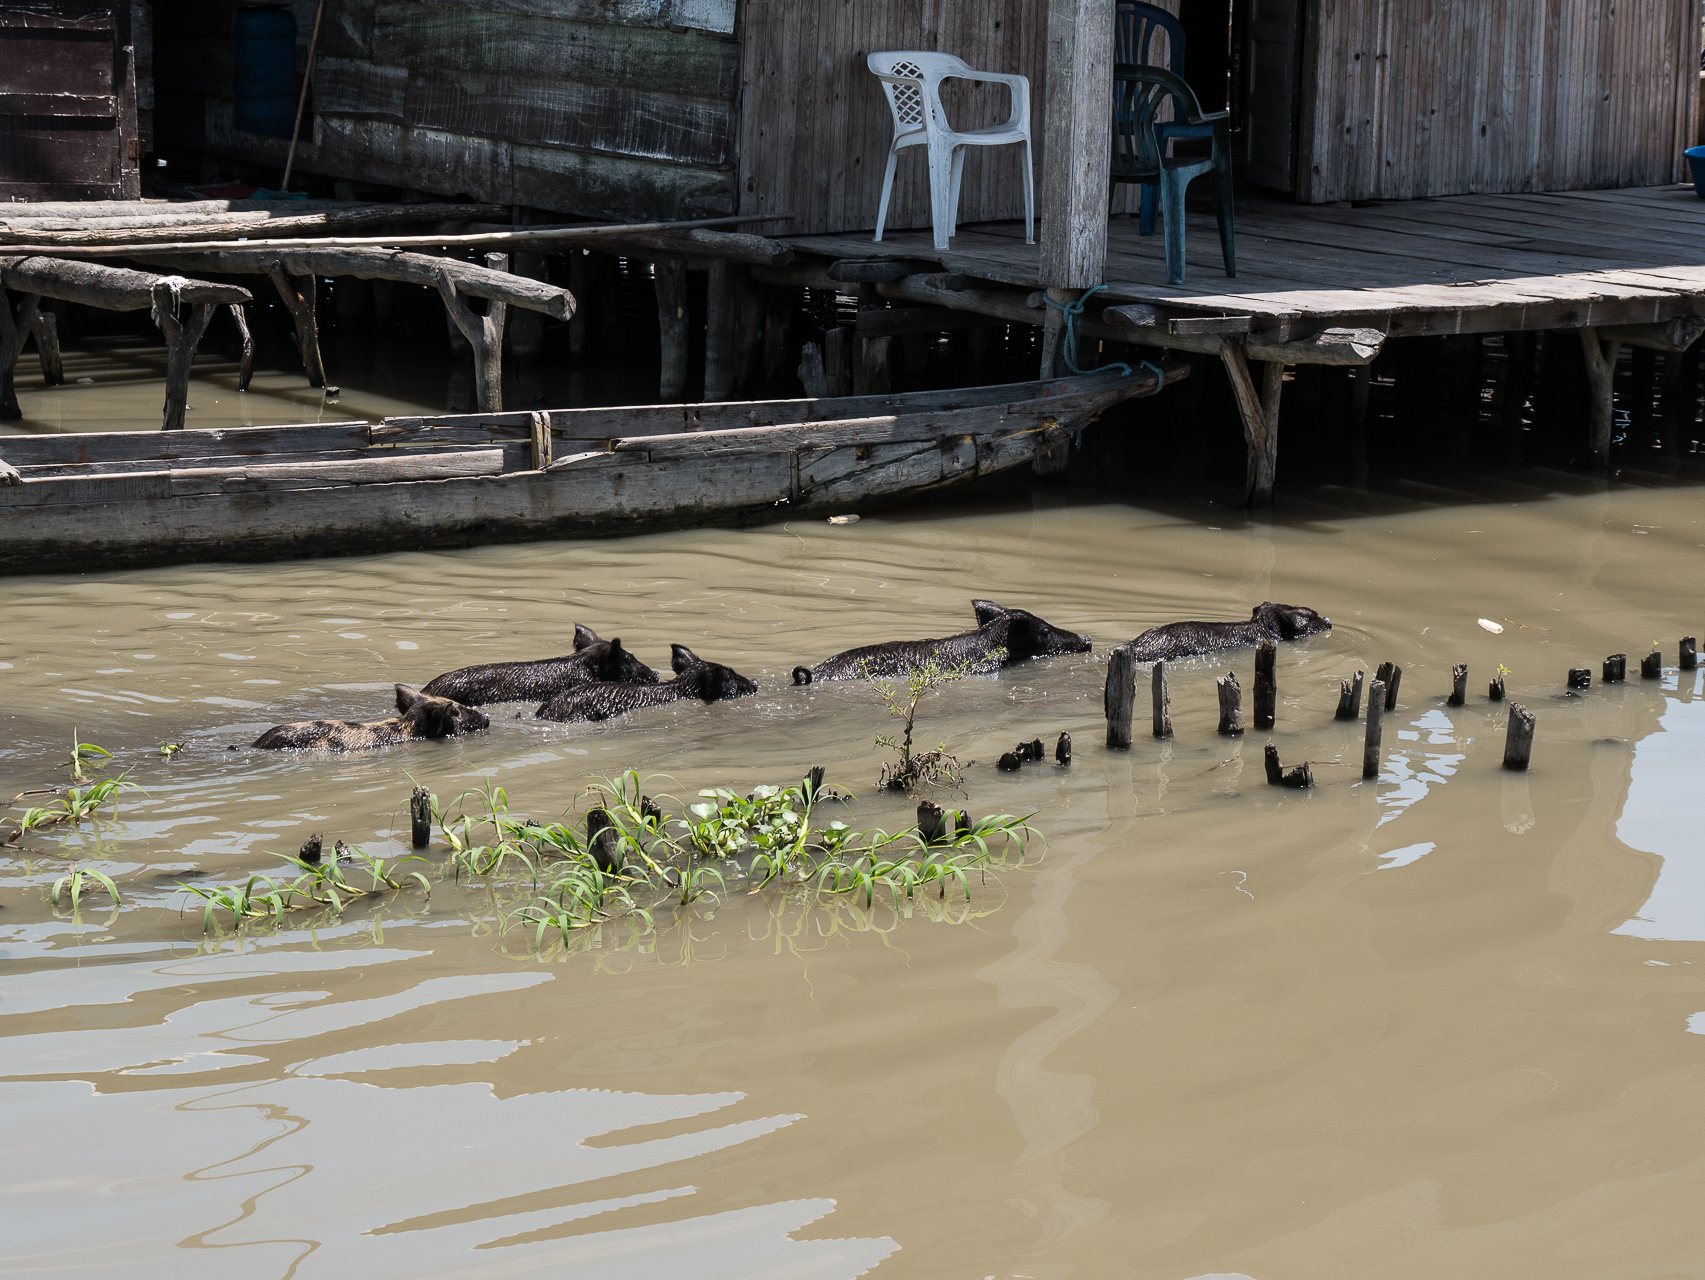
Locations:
(592, 660)
(420, 716)
(1267, 621)
(1003, 636)
(694, 678)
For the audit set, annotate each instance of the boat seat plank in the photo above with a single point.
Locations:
(132, 446)
(515, 458)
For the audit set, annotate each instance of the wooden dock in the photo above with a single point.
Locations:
(1330, 284)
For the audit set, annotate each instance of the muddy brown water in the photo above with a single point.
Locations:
(1451, 1022)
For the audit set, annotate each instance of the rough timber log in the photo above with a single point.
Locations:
(109, 288)
(168, 225)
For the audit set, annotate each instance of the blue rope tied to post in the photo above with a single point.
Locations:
(1072, 311)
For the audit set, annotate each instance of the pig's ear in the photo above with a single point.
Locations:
(987, 611)
(584, 636)
(408, 696)
(681, 658)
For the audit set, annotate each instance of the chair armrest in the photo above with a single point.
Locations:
(1175, 85)
(1017, 84)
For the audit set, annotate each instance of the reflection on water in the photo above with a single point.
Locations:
(1193, 1037)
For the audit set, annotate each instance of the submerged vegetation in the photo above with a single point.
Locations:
(935, 767)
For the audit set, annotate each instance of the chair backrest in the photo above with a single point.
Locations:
(907, 80)
(1138, 94)
(1134, 27)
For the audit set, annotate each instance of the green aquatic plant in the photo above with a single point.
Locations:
(935, 767)
(84, 753)
(77, 803)
(72, 884)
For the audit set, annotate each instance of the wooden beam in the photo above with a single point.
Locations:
(877, 270)
(1669, 335)
(1076, 147)
(1329, 346)
(108, 288)
(170, 226)
(669, 279)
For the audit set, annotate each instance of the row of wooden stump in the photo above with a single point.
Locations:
(1119, 701)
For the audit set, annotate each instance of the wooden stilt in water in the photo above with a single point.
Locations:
(1601, 377)
(1120, 696)
(1300, 776)
(671, 285)
(1053, 363)
(1350, 697)
(1231, 703)
(14, 332)
(1458, 685)
(1376, 717)
(779, 307)
(1495, 688)
(1521, 351)
(1063, 749)
(1616, 668)
(484, 335)
(46, 330)
(1652, 666)
(181, 341)
(297, 293)
(1162, 702)
(1359, 426)
(1580, 678)
(246, 351)
(748, 330)
(1266, 689)
(420, 817)
(812, 375)
(837, 360)
(1674, 404)
(1689, 653)
(580, 285)
(719, 331)
(1518, 743)
(1260, 431)
(1389, 675)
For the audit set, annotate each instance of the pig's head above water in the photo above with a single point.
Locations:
(1028, 636)
(708, 681)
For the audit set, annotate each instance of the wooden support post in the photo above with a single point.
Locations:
(1063, 750)
(719, 331)
(748, 330)
(541, 440)
(671, 284)
(874, 375)
(1053, 364)
(1350, 698)
(1260, 427)
(1458, 685)
(1652, 666)
(1265, 694)
(780, 304)
(1580, 678)
(1359, 379)
(1162, 702)
(420, 817)
(1299, 777)
(181, 341)
(1521, 350)
(1675, 405)
(14, 332)
(1495, 688)
(1376, 717)
(1075, 150)
(246, 346)
(46, 330)
(1120, 696)
(484, 335)
(812, 375)
(1231, 703)
(1518, 742)
(837, 360)
(1390, 675)
(1616, 668)
(1601, 377)
(580, 285)
(1689, 653)
(297, 294)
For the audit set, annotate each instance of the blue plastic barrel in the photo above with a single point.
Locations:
(265, 89)
(1696, 166)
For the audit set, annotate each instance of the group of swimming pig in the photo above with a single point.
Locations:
(601, 679)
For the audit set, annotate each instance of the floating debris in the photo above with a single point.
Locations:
(1495, 628)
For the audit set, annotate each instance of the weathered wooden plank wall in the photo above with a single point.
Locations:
(609, 108)
(1406, 98)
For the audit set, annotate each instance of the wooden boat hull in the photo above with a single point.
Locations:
(111, 500)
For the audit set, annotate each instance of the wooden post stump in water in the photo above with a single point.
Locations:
(1120, 696)
(1278, 776)
(246, 353)
(1350, 698)
(1495, 688)
(297, 293)
(1266, 691)
(14, 332)
(1458, 685)
(1063, 750)
(1376, 717)
(1580, 678)
(1652, 666)
(1689, 653)
(1162, 702)
(46, 330)
(1231, 703)
(932, 821)
(181, 340)
(1616, 668)
(1391, 675)
(420, 817)
(1518, 744)
(670, 281)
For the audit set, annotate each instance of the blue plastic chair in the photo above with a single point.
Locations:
(1134, 28)
(1140, 156)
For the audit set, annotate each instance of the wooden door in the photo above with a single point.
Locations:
(67, 101)
(1273, 91)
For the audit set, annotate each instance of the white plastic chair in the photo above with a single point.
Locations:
(912, 81)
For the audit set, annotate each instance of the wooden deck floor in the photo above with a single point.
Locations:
(1459, 264)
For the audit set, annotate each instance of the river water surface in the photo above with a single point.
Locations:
(1449, 1022)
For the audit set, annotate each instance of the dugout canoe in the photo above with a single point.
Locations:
(105, 500)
